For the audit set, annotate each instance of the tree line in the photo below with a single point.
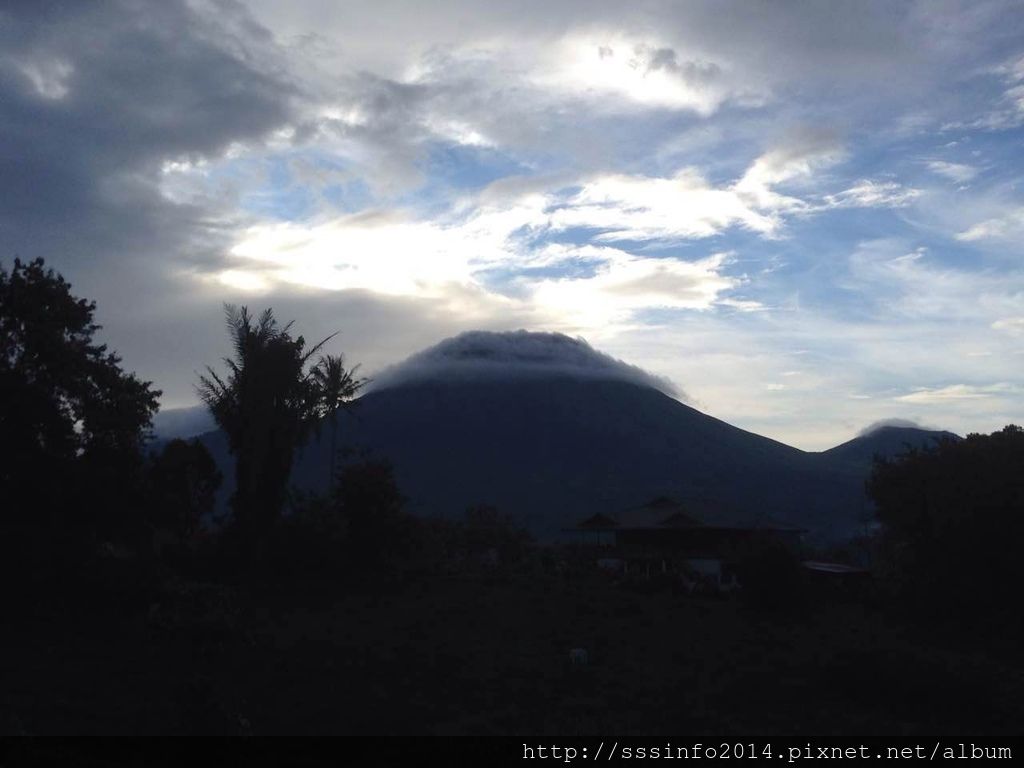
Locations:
(82, 473)
(76, 459)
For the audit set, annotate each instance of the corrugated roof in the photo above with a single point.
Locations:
(659, 512)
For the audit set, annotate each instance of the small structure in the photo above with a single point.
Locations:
(836, 579)
(836, 570)
(664, 537)
(578, 657)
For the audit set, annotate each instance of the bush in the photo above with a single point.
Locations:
(361, 524)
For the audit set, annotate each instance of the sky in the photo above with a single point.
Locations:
(807, 216)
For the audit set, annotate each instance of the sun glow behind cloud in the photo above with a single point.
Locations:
(421, 258)
(397, 254)
(615, 69)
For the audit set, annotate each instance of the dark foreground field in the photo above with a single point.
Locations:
(481, 653)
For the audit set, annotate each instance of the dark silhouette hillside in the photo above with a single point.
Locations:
(553, 451)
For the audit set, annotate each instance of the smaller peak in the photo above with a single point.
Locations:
(890, 424)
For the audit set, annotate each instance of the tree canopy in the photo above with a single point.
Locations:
(267, 404)
(183, 483)
(71, 420)
(953, 517)
(338, 386)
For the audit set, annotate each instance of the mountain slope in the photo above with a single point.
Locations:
(552, 451)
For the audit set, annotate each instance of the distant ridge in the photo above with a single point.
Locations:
(175, 423)
(887, 441)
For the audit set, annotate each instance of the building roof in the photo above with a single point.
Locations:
(836, 568)
(663, 513)
(597, 522)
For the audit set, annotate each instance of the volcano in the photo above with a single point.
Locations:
(551, 431)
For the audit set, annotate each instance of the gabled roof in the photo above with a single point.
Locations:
(663, 513)
(598, 522)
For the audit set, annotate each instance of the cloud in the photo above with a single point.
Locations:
(958, 172)
(872, 194)
(1008, 226)
(894, 279)
(644, 208)
(941, 395)
(1008, 111)
(614, 72)
(399, 254)
(385, 253)
(625, 284)
(575, 95)
(96, 100)
(395, 252)
(687, 206)
(875, 426)
(392, 255)
(507, 356)
(1012, 325)
(796, 158)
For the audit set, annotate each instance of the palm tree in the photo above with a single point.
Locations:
(337, 386)
(266, 405)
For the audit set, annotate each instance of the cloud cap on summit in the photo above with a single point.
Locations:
(509, 355)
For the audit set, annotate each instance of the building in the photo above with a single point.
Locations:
(663, 536)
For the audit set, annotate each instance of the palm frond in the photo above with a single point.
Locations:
(317, 347)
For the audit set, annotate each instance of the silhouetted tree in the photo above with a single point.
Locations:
(72, 422)
(368, 498)
(361, 522)
(953, 519)
(183, 483)
(338, 387)
(266, 405)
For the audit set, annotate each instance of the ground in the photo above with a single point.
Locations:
(487, 653)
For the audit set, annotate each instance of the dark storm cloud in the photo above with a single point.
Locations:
(94, 99)
(692, 72)
(97, 96)
(389, 128)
